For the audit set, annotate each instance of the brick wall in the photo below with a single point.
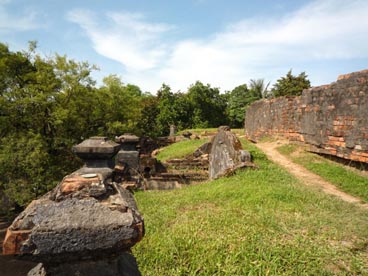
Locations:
(331, 119)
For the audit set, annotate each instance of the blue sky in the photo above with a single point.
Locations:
(223, 43)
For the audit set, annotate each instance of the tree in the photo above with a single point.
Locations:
(208, 106)
(258, 88)
(237, 102)
(241, 97)
(25, 171)
(148, 117)
(120, 106)
(77, 103)
(167, 112)
(291, 85)
(41, 115)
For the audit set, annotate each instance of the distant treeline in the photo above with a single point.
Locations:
(49, 104)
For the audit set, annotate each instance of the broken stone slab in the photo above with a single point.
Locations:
(74, 228)
(226, 154)
(81, 186)
(202, 150)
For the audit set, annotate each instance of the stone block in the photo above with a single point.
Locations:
(131, 158)
(226, 153)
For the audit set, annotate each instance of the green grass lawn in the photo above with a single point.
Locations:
(200, 131)
(341, 176)
(257, 222)
(180, 149)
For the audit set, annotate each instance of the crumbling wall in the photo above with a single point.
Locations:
(331, 119)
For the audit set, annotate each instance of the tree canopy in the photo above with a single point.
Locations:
(241, 97)
(47, 106)
(291, 85)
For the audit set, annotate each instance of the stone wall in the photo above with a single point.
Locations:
(331, 119)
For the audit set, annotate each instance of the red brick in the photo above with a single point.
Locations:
(13, 241)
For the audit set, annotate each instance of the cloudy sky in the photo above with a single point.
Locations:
(223, 43)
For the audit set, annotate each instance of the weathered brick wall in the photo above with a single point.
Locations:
(332, 119)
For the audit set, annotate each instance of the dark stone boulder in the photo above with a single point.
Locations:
(226, 154)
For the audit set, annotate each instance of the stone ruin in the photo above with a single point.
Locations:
(219, 157)
(137, 168)
(88, 223)
(85, 226)
(328, 119)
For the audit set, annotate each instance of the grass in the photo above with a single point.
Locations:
(200, 131)
(257, 222)
(341, 176)
(183, 148)
(180, 149)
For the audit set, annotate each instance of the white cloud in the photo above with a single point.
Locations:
(126, 38)
(252, 48)
(13, 23)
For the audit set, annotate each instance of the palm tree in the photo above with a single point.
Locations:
(259, 88)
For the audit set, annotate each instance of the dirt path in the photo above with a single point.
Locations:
(305, 176)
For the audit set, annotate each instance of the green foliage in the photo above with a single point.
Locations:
(346, 179)
(208, 106)
(47, 105)
(291, 85)
(238, 100)
(149, 113)
(24, 168)
(257, 222)
(241, 97)
(258, 88)
(201, 107)
(174, 109)
(119, 107)
(51, 104)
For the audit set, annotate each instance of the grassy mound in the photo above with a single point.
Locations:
(180, 149)
(257, 222)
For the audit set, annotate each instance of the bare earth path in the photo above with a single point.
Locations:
(305, 176)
